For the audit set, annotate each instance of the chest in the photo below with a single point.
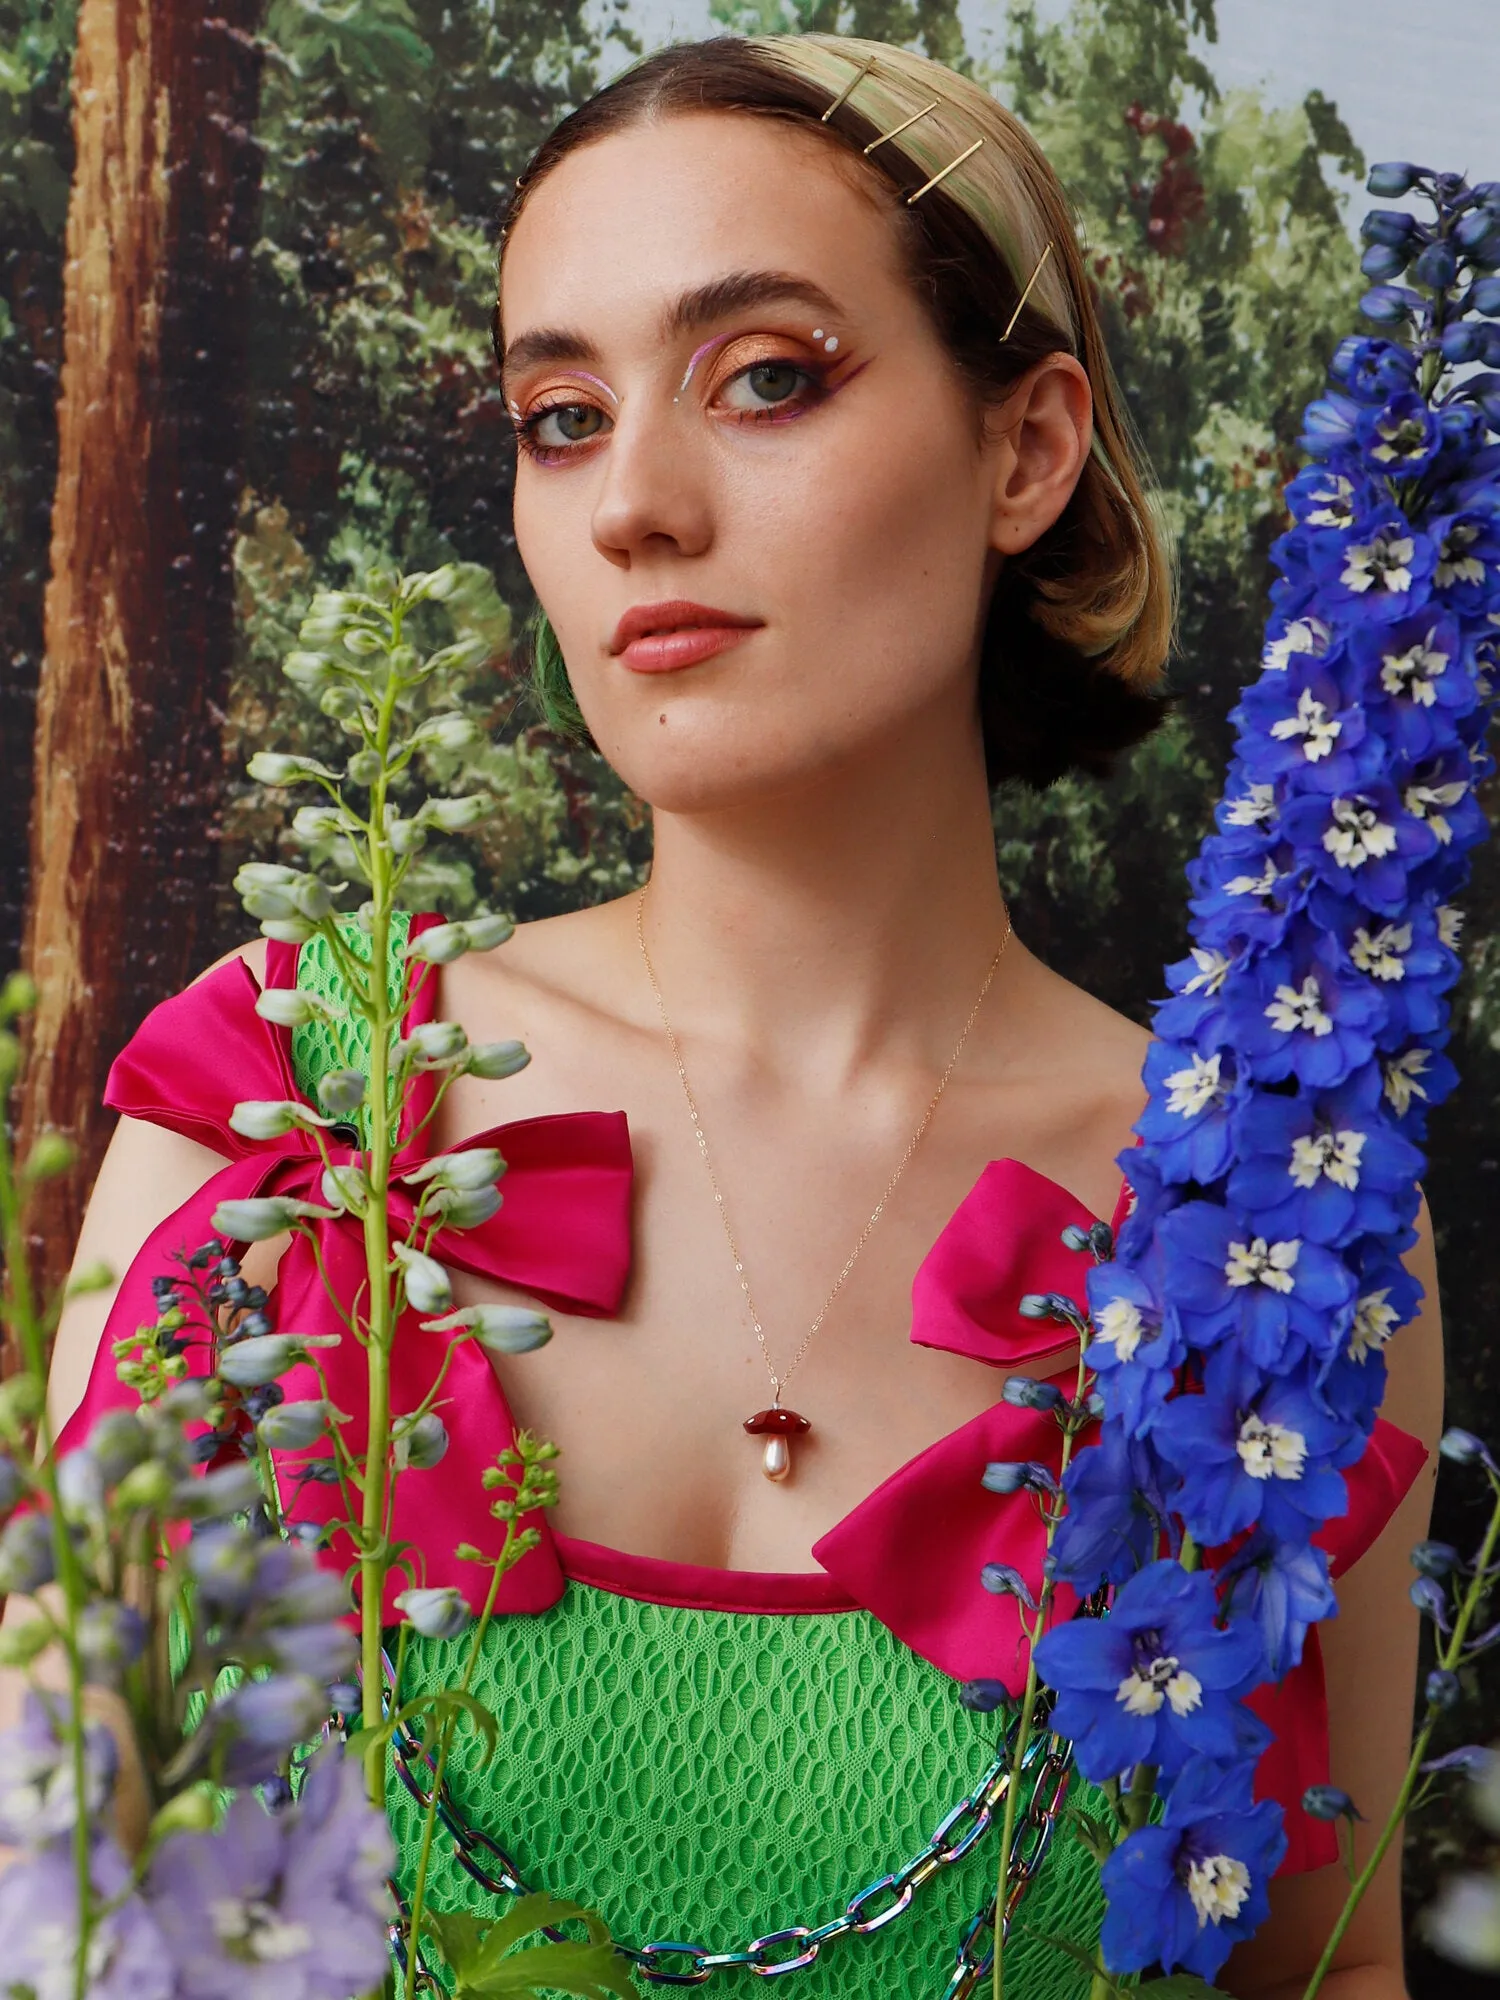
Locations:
(648, 1407)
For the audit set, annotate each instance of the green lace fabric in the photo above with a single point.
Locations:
(712, 1776)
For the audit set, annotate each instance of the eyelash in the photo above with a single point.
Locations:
(814, 391)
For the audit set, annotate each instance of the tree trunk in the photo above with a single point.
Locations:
(139, 607)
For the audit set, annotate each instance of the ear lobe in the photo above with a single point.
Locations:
(1043, 450)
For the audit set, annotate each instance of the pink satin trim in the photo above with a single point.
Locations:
(695, 1586)
(910, 1552)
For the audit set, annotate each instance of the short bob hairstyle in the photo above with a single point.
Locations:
(1080, 624)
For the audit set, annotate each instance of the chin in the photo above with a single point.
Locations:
(704, 763)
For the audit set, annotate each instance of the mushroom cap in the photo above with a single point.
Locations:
(781, 1423)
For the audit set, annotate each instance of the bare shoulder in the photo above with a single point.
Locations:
(1088, 1055)
(572, 961)
(253, 952)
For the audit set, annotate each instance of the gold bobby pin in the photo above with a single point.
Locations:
(1027, 293)
(943, 174)
(896, 130)
(848, 89)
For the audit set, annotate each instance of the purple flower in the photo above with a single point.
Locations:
(1402, 439)
(261, 1722)
(1255, 1450)
(1156, 1680)
(128, 1959)
(37, 1799)
(283, 1907)
(1182, 1894)
(1414, 671)
(1302, 725)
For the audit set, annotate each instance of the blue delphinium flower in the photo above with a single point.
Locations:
(1255, 1448)
(1184, 1893)
(1282, 1588)
(1240, 1324)
(1155, 1681)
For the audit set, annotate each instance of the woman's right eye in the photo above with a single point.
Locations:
(563, 424)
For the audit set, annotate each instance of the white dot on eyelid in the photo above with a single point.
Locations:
(817, 333)
(829, 345)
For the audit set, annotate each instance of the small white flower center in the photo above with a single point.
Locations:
(1374, 1323)
(1254, 885)
(1335, 503)
(1253, 808)
(1301, 1007)
(256, 1931)
(1405, 438)
(1431, 802)
(1217, 1888)
(1454, 564)
(1330, 1155)
(1313, 723)
(1401, 1074)
(1260, 1263)
(1382, 956)
(1213, 969)
(1150, 1684)
(1381, 564)
(1450, 923)
(1357, 834)
(1193, 1090)
(1303, 635)
(1120, 1324)
(1270, 1451)
(1413, 672)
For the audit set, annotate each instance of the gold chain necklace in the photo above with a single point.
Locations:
(776, 1425)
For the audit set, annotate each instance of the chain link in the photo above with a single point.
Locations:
(665, 1962)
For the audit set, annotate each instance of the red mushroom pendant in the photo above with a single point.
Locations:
(776, 1426)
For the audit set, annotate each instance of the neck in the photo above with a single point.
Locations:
(846, 918)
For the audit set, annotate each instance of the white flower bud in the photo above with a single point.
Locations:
(484, 933)
(457, 815)
(465, 1208)
(436, 1614)
(498, 1329)
(427, 1285)
(294, 1426)
(494, 1060)
(273, 767)
(261, 1217)
(342, 1091)
(446, 732)
(346, 1187)
(420, 1442)
(272, 1118)
(440, 945)
(361, 640)
(437, 1041)
(473, 1167)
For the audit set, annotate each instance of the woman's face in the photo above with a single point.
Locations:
(752, 494)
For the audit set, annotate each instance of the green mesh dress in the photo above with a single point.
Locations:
(714, 1775)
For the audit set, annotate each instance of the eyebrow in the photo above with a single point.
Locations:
(737, 291)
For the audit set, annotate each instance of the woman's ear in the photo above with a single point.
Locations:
(1041, 437)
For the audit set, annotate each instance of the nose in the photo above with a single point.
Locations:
(656, 497)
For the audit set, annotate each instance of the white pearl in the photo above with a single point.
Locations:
(777, 1462)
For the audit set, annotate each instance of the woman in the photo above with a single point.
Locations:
(828, 497)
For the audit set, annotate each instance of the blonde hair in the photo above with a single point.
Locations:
(1081, 624)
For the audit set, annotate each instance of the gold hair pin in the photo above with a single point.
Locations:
(943, 173)
(849, 89)
(896, 130)
(1027, 293)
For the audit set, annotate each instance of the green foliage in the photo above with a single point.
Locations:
(931, 26)
(483, 1961)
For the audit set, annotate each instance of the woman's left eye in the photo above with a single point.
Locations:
(768, 386)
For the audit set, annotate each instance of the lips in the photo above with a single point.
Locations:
(660, 638)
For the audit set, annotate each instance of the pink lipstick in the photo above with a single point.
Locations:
(660, 638)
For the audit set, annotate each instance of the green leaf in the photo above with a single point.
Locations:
(459, 1936)
(590, 1971)
(530, 1913)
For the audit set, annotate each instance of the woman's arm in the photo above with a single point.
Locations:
(1370, 1656)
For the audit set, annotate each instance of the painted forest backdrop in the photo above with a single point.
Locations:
(246, 259)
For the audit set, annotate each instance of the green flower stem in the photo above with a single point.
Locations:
(501, 1564)
(1449, 1656)
(1028, 1703)
(23, 1315)
(374, 1543)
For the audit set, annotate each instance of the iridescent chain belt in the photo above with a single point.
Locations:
(1047, 1764)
